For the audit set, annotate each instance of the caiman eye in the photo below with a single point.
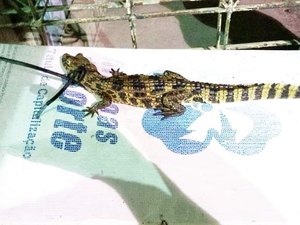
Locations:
(68, 62)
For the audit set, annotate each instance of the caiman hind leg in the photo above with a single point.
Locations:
(172, 75)
(172, 104)
(105, 101)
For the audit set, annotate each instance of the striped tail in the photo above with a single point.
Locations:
(218, 93)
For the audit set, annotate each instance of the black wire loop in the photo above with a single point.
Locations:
(75, 77)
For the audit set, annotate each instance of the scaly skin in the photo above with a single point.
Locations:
(167, 91)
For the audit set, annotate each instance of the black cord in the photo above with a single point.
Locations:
(20, 63)
(77, 74)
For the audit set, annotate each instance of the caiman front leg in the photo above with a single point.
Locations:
(105, 101)
(117, 72)
(172, 104)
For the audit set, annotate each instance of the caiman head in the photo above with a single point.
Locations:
(80, 68)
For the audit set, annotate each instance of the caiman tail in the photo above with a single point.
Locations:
(220, 93)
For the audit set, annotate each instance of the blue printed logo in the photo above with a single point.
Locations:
(171, 131)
